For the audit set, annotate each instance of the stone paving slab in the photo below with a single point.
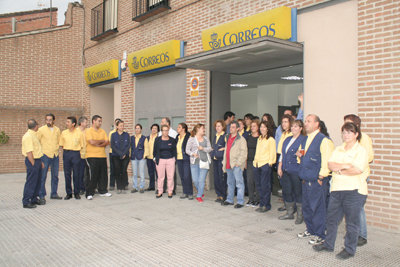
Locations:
(140, 230)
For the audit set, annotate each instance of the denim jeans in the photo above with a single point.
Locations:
(54, 165)
(32, 184)
(363, 222)
(138, 166)
(347, 204)
(235, 179)
(199, 178)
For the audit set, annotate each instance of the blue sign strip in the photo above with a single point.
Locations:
(294, 25)
(151, 71)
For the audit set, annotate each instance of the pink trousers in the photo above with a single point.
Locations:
(166, 165)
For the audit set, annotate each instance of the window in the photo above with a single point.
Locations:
(143, 9)
(145, 126)
(176, 120)
(104, 19)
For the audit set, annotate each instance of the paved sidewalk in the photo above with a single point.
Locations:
(140, 230)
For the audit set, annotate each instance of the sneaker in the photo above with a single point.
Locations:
(106, 195)
(249, 203)
(316, 240)
(344, 255)
(361, 241)
(141, 191)
(183, 196)
(321, 247)
(89, 197)
(304, 234)
(190, 197)
(199, 199)
(255, 204)
(134, 190)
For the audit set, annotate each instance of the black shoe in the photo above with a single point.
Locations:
(141, 191)
(344, 255)
(283, 208)
(158, 196)
(68, 197)
(321, 247)
(361, 241)
(170, 196)
(218, 200)
(55, 197)
(77, 196)
(226, 203)
(29, 206)
(40, 201)
(238, 206)
(111, 188)
(82, 192)
(262, 209)
(150, 189)
(134, 190)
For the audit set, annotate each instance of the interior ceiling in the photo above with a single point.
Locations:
(266, 77)
(247, 57)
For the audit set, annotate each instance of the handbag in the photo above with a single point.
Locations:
(203, 164)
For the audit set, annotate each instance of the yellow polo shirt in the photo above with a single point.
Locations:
(31, 143)
(326, 150)
(179, 154)
(356, 156)
(72, 140)
(83, 150)
(95, 151)
(265, 152)
(49, 140)
(109, 138)
(366, 143)
(241, 132)
(150, 146)
(283, 138)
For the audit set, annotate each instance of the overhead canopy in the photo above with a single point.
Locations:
(254, 55)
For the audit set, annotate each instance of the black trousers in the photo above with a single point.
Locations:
(120, 171)
(97, 176)
(251, 183)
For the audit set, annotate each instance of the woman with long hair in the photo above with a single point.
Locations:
(198, 148)
(254, 197)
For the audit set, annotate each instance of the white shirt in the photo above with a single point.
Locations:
(172, 133)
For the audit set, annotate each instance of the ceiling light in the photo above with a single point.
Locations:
(239, 85)
(292, 78)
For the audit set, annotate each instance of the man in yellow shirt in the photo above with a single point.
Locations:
(72, 143)
(32, 151)
(49, 137)
(314, 172)
(365, 142)
(96, 159)
(82, 123)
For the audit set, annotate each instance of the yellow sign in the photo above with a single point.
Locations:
(155, 57)
(274, 23)
(106, 71)
(194, 86)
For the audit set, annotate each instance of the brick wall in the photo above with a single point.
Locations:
(379, 105)
(28, 20)
(41, 73)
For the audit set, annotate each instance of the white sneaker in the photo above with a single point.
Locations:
(89, 197)
(106, 195)
(304, 234)
(316, 240)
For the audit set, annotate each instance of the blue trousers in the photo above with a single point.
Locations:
(54, 165)
(347, 204)
(199, 178)
(186, 176)
(262, 177)
(220, 181)
(72, 164)
(235, 180)
(81, 179)
(291, 185)
(151, 168)
(32, 184)
(314, 207)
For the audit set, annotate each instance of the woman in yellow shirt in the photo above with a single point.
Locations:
(151, 165)
(264, 158)
(183, 161)
(349, 163)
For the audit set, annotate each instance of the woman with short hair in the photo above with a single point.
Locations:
(151, 166)
(217, 155)
(139, 146)
(198, 148)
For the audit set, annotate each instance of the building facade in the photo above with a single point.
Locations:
(192, 60)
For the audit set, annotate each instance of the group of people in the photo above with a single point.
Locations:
(321, 184)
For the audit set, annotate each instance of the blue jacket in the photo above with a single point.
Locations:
(137, 152)
(184, 143)
(216, 146)
(311, 162)
(120, 144)
(289, 158)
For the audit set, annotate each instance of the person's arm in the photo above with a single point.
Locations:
(114, 146)
(174, 152)
(29, 155)
(344, 168)
(326, 150)
(272, 151)
(146, 148)
(208, 147)
(280, 172)
(300, 115)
